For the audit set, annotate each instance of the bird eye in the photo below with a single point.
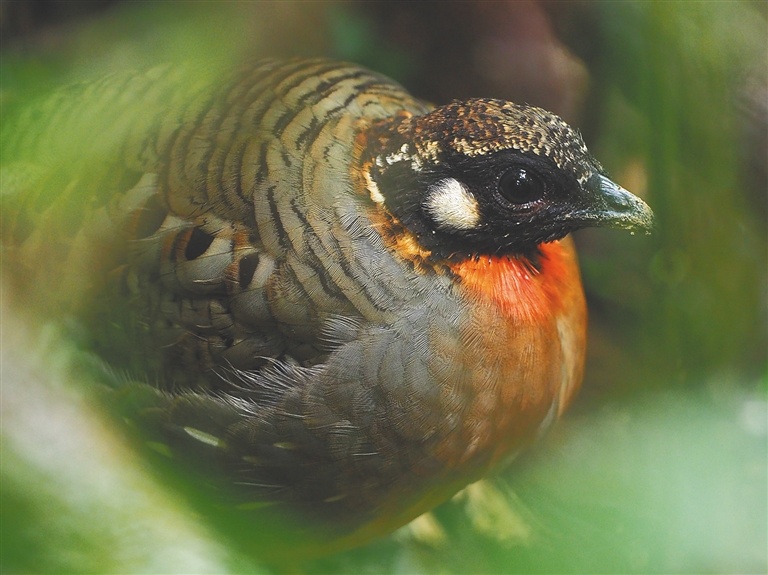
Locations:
(521, 186)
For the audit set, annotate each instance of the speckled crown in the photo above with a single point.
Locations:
(480, 126)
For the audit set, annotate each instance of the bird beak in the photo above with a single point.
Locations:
(610, 205)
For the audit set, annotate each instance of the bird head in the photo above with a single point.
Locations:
(491, 177)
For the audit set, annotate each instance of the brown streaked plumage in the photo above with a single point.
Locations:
(343, 305)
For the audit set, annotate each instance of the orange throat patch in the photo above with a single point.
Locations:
(520, 290)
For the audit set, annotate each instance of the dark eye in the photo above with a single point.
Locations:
(521, 186)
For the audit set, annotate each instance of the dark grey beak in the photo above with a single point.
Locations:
(610, 205)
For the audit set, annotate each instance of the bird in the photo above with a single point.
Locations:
(328, 299)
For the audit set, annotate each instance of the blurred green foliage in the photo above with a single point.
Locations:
(684, 70)
(661, 467)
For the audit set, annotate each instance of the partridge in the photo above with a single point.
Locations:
(343, 304)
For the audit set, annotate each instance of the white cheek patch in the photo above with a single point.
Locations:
(452, 206)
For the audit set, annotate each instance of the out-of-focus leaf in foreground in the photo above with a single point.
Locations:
(76, 498)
